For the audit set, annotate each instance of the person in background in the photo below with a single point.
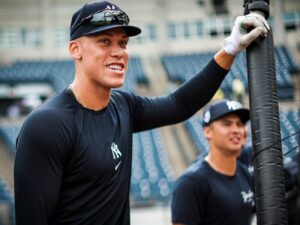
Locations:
(219, 191)
(74, 152)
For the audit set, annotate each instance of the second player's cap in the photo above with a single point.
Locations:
(224, 107)
(99, 16)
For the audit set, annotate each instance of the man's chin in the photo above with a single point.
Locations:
(235, 151)
(117, 85)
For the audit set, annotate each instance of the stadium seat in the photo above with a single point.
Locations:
(182, 67)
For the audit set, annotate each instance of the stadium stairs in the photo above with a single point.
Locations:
(180, 150)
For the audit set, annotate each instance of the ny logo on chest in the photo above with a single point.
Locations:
(116, 154)
(115, 151)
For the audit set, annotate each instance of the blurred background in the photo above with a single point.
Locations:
(178, 39)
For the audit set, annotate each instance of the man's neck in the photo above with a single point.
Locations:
(90, 97)
(223, 164)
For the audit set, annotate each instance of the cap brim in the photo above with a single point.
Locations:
(244, 114)
(130, 30)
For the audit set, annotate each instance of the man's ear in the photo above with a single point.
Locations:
(75, 49)
(207, 131)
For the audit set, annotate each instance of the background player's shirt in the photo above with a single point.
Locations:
(204, 196)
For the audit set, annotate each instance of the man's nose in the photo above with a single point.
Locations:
(117, 51)
(237, 128)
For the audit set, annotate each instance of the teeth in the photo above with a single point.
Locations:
(115, 67)
(235, 139)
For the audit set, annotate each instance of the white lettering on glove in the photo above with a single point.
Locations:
(240, 38)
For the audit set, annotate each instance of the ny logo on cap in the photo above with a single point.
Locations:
(233, 105)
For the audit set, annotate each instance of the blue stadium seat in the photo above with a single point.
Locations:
(60, 73)
(152, 177)
(195, 130)
(288, 59)
(183, 67)
(8, 133)
(7, 215)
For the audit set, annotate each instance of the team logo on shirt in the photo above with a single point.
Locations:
(248, 197)
(115, 151)
(116, 154)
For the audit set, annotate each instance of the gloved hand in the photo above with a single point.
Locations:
(240, 38)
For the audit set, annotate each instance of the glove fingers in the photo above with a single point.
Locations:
(262, 20)
(256, 21)
(251, 36)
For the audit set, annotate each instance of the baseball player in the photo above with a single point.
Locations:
(74, 152)
(219, 190)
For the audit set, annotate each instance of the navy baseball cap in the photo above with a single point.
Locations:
(224, 107)
(95, 17)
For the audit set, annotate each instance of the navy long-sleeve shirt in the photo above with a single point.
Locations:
(73, 165)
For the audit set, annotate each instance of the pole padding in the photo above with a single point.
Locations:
(265, 129)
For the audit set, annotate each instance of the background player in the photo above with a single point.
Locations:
(219, 191)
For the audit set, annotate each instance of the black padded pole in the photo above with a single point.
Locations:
(265, 127)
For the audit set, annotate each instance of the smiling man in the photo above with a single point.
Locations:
(74, 152)
(218, 191)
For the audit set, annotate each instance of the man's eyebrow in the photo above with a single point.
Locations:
(226, 120)
(111, 33)
(230, 120)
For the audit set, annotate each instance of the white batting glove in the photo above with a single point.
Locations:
(240, 38)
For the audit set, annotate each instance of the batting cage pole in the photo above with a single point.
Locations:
(265, 127)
